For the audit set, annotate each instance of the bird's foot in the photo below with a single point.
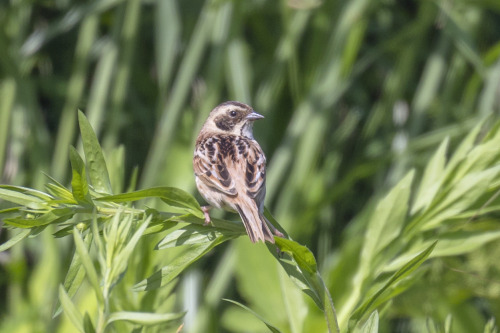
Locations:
(206, 212)
(278, 233)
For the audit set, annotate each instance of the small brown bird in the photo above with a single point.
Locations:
(230, 168)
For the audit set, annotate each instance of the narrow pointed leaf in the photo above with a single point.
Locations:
(145, 318)
(98, 171)
(84, 255)
(432, 178)
(56, 216)
(88, 326)
(70, 310)
(74, 277)
(412, 265)
(22, 196)
(79, 185)
(121, 260)
(170, 195)
(193, 234)
(178, 265)
(22, 234)
(371, 324)
(272, 328)
(387, 220)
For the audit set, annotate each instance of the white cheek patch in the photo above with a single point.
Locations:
(246, 130)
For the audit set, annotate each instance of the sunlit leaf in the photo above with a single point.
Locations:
(79, 183)
(371, 324)
(70, 310)
(461, 242)
(98, 171)
(177, 265)
(387, 220)
(88, 326)
(24, 196)
(145, 318)
(87, 263)
(432, 178)
(172, 196)
(193, 234)
(301, 254)
(120, 262)
(461, 196)
(407, 269)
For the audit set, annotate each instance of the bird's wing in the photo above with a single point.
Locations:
(210, 166)
(254, 169)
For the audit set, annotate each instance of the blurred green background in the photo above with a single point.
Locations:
(354, 93)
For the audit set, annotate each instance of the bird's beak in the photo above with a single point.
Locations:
(254, 116)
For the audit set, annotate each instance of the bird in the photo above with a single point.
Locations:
(230, 168)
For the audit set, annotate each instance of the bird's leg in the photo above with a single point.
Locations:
(206, 212)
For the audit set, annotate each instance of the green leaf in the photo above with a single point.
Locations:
(298, 278)
(28, 191)
(490, 326)
(57, 215)
(406, 270)
(387, 220)
(22, 234)
(58, 190)
(98, 171)
(303, 272)
(447, 323)
(120, 262)
(98, 241)
(478, 159)
(232, 226)
(75, 275)
(193, 234)
(462, 195)
(462, 242)
(271, 327)
(12, 210)
(327, 304)
(87, 324)
(431, 179)
(24, 196)
(145, 318)
(273, 221)
(70, 310)
(65, 196)
(84, 255)
(79, 185)
(170, 195)
(177, 266)
(301, 254)
(371, 324)
(464, 148)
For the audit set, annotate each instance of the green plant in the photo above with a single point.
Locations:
(399, 237)
(96, 218)
(355, 94)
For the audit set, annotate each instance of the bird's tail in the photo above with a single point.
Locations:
(255, 224)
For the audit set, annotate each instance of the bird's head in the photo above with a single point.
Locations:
(232, 118)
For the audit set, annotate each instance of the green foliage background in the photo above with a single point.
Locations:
(355, 94)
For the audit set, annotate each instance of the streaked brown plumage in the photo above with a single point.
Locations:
(230, 167)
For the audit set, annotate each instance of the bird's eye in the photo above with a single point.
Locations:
(233, 113)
